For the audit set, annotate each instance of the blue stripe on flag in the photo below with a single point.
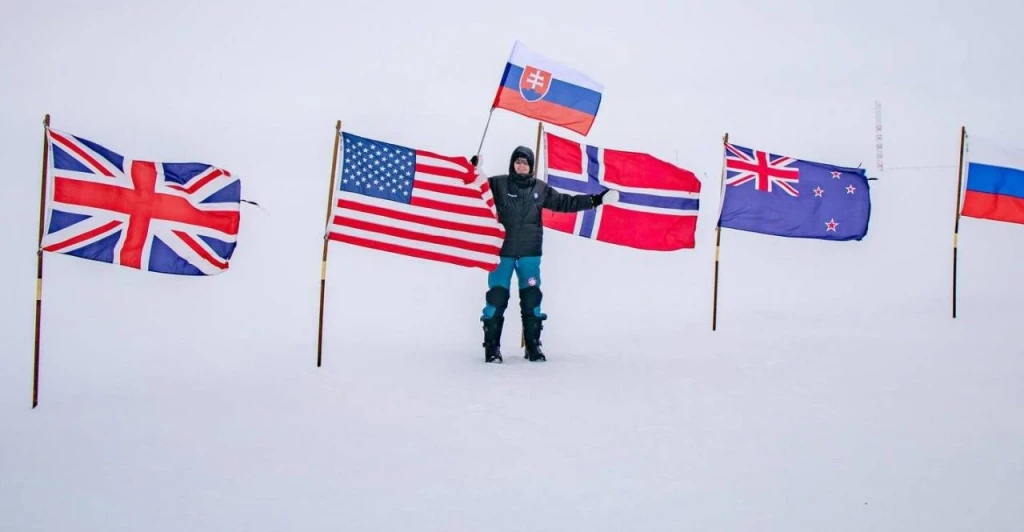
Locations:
(101, 250)
(593, 171)
(229, 194)
(992, 179)
(114, 158)
(587, 226)
(574, 185)
(593, 165)
(663, 202)
(560, 93)
(62, 160)
(163, 259)
(60, 220)
(634, 198)
(220, 247)
(181, 173)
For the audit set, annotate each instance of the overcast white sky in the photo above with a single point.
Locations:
(256, 88)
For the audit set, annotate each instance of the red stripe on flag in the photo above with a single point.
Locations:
(451, 190)
(82, 237)
(425, 220)
(564, 154)
(560, 221)
(993, 207)
(129, 201)
(641, 170)
(545, 111)
(198, 184)
(461, 175)
(74, 147)
(190, 242)
(479, 212)
(413, 252)
(644, 230)
(459, 160)
(413, 235)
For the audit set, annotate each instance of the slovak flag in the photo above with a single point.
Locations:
(658, 201)
(538, 87)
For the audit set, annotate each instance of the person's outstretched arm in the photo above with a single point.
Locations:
(560, 202)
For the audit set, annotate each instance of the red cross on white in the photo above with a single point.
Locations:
(133, 202)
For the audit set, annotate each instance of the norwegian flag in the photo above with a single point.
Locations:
(173, 218)
(658, 201)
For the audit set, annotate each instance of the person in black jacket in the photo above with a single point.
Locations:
(519, 198)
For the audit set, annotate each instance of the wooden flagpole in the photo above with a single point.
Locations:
(39, 261)
(536, 150)
(956, 224)
(542, 143)
(323, 260)
(536, 173)
(718, 237)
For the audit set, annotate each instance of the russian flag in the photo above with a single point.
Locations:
(541, 88)
(995, 182)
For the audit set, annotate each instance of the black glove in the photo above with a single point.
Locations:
(473, 160)
(599, 199)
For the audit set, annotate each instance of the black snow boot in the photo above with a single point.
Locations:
(492, 339)
(532, 326)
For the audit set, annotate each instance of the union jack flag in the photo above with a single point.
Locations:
(763, 168)
(173, 218)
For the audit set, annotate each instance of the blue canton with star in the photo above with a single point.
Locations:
(377, 169)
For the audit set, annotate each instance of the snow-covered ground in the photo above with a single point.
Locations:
(837, 393)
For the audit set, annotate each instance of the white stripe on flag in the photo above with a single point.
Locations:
(992, 152)
(377, 219)
(450, 251)
(522, 56)
(478, 221)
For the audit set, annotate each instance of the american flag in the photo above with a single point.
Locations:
(416, 203)
(173, 218)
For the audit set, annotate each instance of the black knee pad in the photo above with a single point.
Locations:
(498, 298)
(529, 299)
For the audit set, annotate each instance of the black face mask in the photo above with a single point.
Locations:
(521, 153)
(527, 171)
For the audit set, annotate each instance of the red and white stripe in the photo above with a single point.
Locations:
(451, 216)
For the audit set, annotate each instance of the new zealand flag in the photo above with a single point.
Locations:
(789, 197)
